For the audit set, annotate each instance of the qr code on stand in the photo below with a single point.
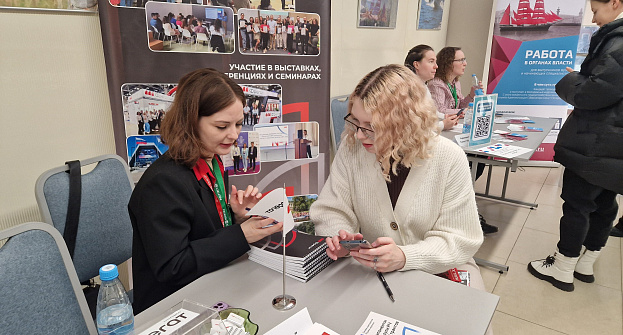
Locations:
(482, 125)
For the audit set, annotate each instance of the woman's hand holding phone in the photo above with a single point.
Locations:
(450, 121)
(389, 257)
(334, 249)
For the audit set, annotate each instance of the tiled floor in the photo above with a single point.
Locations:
(528, 305)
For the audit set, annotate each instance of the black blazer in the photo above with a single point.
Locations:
(178, 234)
(253, 152)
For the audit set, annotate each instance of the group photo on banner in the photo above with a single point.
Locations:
(189, 28)
(278, 32)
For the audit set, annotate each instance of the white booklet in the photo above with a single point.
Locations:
(319, 329)
(300, 324)
(503, 150)
(296, 324)
(381, 324)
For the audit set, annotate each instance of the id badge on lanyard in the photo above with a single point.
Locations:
(220, 199)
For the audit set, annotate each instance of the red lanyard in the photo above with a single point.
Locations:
(203, 171)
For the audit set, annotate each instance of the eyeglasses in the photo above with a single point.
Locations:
(462, 60)
(369, 133)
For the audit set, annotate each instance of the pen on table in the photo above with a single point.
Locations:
(387, 289)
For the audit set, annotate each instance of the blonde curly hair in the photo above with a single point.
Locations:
(404, 116)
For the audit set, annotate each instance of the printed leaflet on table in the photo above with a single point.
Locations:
(380, 324)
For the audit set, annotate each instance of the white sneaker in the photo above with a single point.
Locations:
(557, 269)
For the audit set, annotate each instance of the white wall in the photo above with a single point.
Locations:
(469, 28)
(357, 51)
(54, 101)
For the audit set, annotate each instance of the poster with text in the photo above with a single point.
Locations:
(148, 48)
(533, 43)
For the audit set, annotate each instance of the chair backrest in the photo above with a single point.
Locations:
(202, 37)
(104, 228)
(39, 289)
(186, 33)
(339, 109)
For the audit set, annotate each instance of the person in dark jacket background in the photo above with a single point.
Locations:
(589, 145)
(184, 225)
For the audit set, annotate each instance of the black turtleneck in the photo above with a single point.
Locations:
(397, 182)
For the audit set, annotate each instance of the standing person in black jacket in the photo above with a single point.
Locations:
(252, 155)
(589, 146)
(184, 224)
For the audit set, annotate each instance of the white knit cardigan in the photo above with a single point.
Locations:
(435, 217)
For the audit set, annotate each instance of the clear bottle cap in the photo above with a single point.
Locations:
(109, 272)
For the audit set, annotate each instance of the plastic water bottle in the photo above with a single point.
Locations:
(476, 84)
(114, 313)
(467, 120)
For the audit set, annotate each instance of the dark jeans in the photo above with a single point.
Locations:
(304, 39)
(236, 163)
(587, 215)
(290, 43)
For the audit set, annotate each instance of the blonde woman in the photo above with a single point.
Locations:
(398, 184)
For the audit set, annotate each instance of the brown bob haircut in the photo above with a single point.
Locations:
(199, 93)
(445, 61)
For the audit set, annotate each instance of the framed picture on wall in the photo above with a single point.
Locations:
(430, 14)
(377, 13)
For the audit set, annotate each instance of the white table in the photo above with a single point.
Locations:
(340, 297)
(533, 141)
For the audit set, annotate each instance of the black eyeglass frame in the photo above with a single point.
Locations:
(366, 132)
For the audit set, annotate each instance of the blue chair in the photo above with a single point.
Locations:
(39, 289)
(104, 229)
(339, 109)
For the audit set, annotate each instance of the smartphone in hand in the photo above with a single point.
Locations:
(356, 244)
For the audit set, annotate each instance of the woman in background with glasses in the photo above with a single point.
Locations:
(398, 184)
(445, 87)
(422, 61)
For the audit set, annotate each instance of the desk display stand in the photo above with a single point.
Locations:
(284, 302)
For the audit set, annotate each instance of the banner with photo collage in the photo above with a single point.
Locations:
(533, 42)
(278, 54)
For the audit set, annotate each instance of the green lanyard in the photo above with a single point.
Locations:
(219, 191)
(453, 91)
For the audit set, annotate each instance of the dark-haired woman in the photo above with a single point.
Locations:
(264, 36)
(216, 39)
(422, 61)
(446, 91)
(184, 223)
(589, 146)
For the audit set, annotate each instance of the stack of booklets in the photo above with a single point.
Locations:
(305, 254)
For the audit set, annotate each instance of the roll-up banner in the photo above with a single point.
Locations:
(279, 54)
(533, 42)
